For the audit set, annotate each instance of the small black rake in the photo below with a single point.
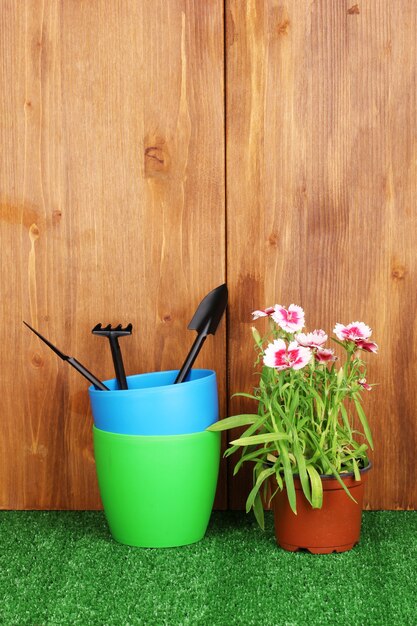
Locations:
(113, 335)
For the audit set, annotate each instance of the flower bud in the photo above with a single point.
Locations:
(256, 336)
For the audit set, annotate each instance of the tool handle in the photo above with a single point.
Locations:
(191, 357)
(88, 375)
(118, 362)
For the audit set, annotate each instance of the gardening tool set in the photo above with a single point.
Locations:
(205, 321)
(157, 464)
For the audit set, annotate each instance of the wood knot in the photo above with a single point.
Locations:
(153, 152)
(167, 318)
(273, 240)
(37, 450)
(230, 29)
(283, 27)
(398, 272)
(36, 360)
(354, 10)
(33, 232)
(280, 20)
(157, 159)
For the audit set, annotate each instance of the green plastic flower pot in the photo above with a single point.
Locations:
(157, 490)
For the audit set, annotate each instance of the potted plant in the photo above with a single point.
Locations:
(308, 440)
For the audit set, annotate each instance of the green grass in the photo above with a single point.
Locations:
(64, 568)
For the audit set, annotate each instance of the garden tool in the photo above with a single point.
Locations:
(72, 361)
(113, 335)
(205, 321)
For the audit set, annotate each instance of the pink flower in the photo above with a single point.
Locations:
(324, 355)
(263, 312)
(291, 319)
(364, 384)
(356, 331)
(368, 346)
(279, 356)
(311, 340)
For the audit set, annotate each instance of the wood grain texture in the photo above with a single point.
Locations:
(112, 207)
(321, 200)
(111, 210)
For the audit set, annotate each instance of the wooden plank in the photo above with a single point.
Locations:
(321, 180)
(112, 210)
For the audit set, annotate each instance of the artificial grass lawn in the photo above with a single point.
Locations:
(64, 568)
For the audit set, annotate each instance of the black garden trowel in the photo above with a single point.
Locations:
(205, 321)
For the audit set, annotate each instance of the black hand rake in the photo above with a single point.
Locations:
(113, 335)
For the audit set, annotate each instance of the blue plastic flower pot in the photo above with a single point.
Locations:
(153, 405)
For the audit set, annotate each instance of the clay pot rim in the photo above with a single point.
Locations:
(332, 476)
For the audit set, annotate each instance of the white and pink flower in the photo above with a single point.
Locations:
(359, 333)
(356, 331)
(324, 355)
(263, 312)
(314, 339)
(364, 384)
(368, 346)
(291, 319)
(281, 357)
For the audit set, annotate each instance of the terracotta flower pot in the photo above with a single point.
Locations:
(333, 528)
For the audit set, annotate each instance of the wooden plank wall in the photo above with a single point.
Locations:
(112, 210)
(113, 189)
(321, 201)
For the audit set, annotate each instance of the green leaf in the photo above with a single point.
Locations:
(301, 464)
(358, 451)
(255, 489)
(280, 487)
(316, 487)
(283, 414)
(245, 395)
(288, 477)
(234, 422)
(294, 404)
(279, 480)
(319, 402)
(336, 475)
(301, 423)
(326, 462)
(265, 438)
(258, 510)
(356, 470)
(249, 431)
(345, 419)
(363, 420)
(252, 456)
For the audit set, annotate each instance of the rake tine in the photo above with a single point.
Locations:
(113, 335)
